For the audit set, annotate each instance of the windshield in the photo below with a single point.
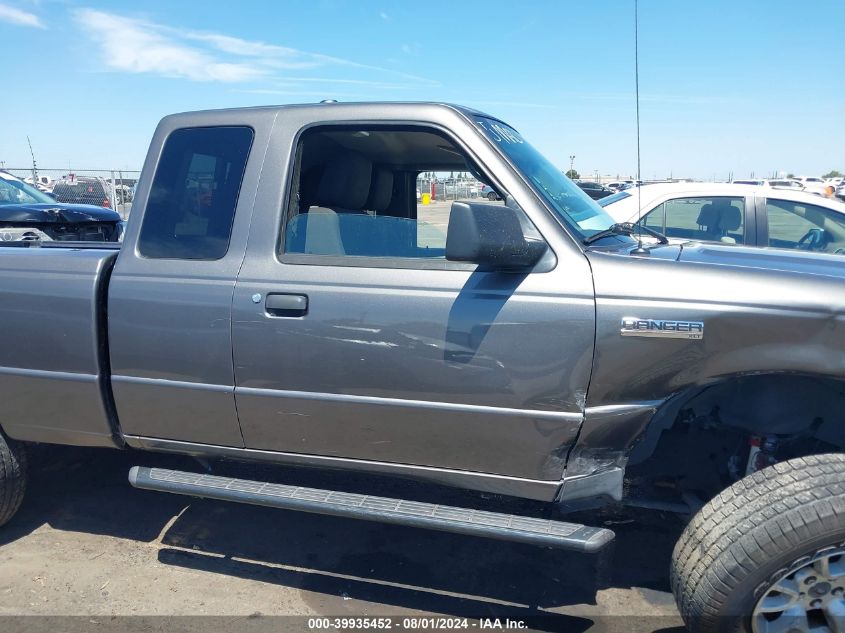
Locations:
(14, 191)
(564, 197)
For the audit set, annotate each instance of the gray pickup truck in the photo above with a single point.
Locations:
(282, 296)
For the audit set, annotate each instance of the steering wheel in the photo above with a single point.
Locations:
(812, 240)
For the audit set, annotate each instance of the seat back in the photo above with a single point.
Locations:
(315, 233)
(717, 218)
(343, 189)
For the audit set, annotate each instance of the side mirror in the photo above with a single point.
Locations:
(493, 236)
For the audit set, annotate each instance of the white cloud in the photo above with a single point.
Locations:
(279, 56)
(20, 18)
(135, 46)
(141, 46)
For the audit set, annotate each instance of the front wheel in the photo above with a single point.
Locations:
(768, 553)
(491, 196)
(12, 477)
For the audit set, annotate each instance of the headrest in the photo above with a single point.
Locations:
(707, 216)
(345, 182)
(730, 217)
(381, 190)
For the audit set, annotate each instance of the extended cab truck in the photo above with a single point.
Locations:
(281, 296)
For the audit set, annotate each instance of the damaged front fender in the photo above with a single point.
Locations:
(596, 465)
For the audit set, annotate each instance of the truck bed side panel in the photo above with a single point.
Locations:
(50, 363)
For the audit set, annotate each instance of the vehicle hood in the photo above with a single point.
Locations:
(805, 262)
(791, 261)
(56, 213)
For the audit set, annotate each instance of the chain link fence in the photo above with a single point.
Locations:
(448, 188)
(115, 188)
(112, 188)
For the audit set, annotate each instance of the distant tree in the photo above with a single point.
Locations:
(790, 175)
(574, 175)
(832, 174)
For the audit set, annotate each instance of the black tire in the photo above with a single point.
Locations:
(12, 477)
(750, 534)
(491, 196)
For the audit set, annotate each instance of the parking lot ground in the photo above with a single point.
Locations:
(87, 544)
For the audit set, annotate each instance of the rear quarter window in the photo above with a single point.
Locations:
(194, 194)
(82, 192)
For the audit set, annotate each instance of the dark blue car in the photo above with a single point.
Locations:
(27, 214)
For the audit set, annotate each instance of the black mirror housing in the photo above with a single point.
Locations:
(492, 236)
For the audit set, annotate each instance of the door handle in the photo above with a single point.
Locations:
(285, 305)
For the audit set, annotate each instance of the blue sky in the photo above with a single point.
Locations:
(725, 85)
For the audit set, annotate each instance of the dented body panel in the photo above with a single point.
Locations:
(757, 320)
(472, 370)
(762, 313)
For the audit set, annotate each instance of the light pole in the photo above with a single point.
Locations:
(571, 163)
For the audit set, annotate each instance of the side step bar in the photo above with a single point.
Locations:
(508, 527)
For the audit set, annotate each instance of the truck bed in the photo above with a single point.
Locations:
(54, 385)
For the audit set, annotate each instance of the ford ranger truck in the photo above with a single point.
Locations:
(281, 296)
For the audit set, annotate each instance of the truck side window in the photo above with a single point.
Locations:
(194, 193)
(375, 192)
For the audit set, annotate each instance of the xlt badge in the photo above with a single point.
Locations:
(662, 328)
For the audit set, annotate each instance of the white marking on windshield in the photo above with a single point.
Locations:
(500, 133)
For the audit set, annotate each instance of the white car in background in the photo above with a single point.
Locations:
(618, 185)
(759, 182)
(729, 213)
(784, 183)
(812, 184)
(42, 183)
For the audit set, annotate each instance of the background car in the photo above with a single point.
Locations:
(83, 190)
(595, 190)
(759, 182)
(27, 214)
(619, 184)
(123, 193)
(795, 184)
(813, 184)
(788, 183)
(488, 192)
(42, 183)
(729, 213)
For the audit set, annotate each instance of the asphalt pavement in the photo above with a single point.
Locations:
(86, 544)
